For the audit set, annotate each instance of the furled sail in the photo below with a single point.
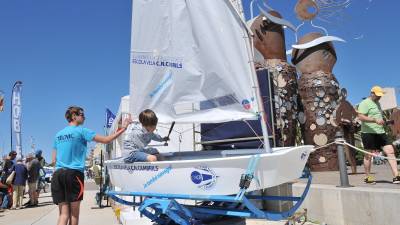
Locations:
(190, 62)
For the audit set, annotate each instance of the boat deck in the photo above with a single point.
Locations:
(212, 154)
(209, 154)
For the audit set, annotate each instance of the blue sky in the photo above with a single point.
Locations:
(74, 52)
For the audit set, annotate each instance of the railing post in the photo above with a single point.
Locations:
(344, 179)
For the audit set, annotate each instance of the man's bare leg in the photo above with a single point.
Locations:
(63, 216)
(367, 164)
(36, 197)
(389, 151)
(32, 194)
(75, 207)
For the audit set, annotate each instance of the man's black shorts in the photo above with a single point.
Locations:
(374, 141)
(67, 186)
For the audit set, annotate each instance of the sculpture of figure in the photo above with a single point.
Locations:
(269, 40)
(346, 118)
(395, 125)
(319, 92)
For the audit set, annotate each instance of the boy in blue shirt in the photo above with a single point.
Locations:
(70, 146)
(138, 136)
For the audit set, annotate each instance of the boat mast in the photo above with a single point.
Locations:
(238, 5)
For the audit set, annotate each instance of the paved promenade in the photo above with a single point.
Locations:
(47, 213)
(382, 174)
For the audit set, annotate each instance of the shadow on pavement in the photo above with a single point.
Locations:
(384, 182)
(41, 204)
(96, 207)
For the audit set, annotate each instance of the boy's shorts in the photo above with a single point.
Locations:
(67, 186)
(140, 155)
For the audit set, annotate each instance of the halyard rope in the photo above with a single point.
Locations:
(337, 141)
(341, 141)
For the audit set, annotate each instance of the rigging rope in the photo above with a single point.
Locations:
(341, 141)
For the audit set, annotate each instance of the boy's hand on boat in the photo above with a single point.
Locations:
(165, 138)
(127, 121)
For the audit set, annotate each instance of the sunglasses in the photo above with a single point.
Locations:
(80, 114)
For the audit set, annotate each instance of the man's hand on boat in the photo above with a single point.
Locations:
(127, 121)
(111, 137)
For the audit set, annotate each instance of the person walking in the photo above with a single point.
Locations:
(21, 175)
(41, 182)
(373, 134)
(34, 167)
(70, 147)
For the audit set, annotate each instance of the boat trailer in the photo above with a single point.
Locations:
(165, 209)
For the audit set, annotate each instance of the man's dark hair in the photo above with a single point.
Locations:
(148, 118)
(72, 110)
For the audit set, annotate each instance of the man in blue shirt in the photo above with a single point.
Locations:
(70, 146)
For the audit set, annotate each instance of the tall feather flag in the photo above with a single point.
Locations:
(16, 143)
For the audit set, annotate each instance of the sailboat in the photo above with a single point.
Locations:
(192, 63)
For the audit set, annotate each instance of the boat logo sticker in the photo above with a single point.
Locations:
(131, 168)
(157, 176)
(157, 61)
(246, 103)
(204, 177)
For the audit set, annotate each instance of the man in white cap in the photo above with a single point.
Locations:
(373, 134)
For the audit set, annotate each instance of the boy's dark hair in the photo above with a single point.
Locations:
(148, 118)
(72, 110)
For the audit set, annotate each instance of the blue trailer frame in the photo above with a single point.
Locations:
(166, 208)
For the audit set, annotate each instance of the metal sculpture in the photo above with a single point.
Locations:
(395, 126)
(319, 92)
(306, 9)
(269, 40)
(346, 117)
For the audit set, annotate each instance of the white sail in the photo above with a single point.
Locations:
(189, 62)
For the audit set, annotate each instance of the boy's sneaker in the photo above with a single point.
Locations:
(396, 180)
(371, 180)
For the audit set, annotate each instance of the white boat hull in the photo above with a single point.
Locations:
(210, 176)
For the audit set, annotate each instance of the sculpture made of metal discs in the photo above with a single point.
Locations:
(395, 117)
(269, 40)
(319, 92)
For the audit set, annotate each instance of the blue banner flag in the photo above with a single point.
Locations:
(16, 143)
(109, 118)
